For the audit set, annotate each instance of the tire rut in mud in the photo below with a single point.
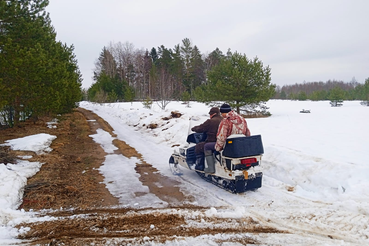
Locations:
(165, 188)
(69, 176)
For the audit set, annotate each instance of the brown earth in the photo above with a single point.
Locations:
(85, 212)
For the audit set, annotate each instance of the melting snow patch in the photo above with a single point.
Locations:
(38, 143)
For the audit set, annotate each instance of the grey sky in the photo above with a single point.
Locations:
(307, 40)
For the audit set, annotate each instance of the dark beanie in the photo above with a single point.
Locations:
(225, 108)
(214, 110)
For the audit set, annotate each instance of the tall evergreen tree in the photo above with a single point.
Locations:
(186, 53)
(38, 75)
(197, 68)
(105, 64)
(147, 68)
(165, 79)
(213, 59)
(177, 71)
(154, 55)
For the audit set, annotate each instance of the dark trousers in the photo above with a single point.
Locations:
(209, 146)
(199, 148)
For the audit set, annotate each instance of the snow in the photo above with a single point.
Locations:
(38, 143)
(13, 178)
(315, 170)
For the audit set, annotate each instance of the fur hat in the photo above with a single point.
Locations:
(214, 110)
(225, 108)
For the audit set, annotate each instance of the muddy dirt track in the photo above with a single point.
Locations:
(83, 211)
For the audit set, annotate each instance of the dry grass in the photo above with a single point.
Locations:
(67, 177)
(7, 156)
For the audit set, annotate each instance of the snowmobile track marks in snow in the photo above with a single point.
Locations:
(163, 187)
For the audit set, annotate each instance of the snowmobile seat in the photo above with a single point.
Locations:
(238, 145)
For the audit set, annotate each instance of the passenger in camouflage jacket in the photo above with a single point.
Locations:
(232, 123)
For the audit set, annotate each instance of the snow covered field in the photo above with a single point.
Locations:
(315, 170)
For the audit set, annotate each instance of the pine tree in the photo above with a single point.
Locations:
(38, 75)
(336, 96)
(177, 70)
(186, 54)
(239, 81)
(213, 59)
(366, 93)
(197, 68)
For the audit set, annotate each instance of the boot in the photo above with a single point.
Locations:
(209, 162)
(200, 162)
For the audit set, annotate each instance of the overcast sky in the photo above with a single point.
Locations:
(307, 40)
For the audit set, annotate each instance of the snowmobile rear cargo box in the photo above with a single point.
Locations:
(242, 146)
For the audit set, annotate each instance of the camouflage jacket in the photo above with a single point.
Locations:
(232, 124)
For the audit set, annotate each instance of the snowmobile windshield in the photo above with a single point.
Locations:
(194, 137)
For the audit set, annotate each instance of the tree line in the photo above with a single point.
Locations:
(124, 73)
(333, 90)
(38, 75)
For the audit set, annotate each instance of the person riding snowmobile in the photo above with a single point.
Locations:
(210, 127)
(232, 123)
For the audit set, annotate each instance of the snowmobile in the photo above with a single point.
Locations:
(237, 166)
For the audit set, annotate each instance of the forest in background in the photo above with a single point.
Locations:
(123, 73)
(330, 90)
